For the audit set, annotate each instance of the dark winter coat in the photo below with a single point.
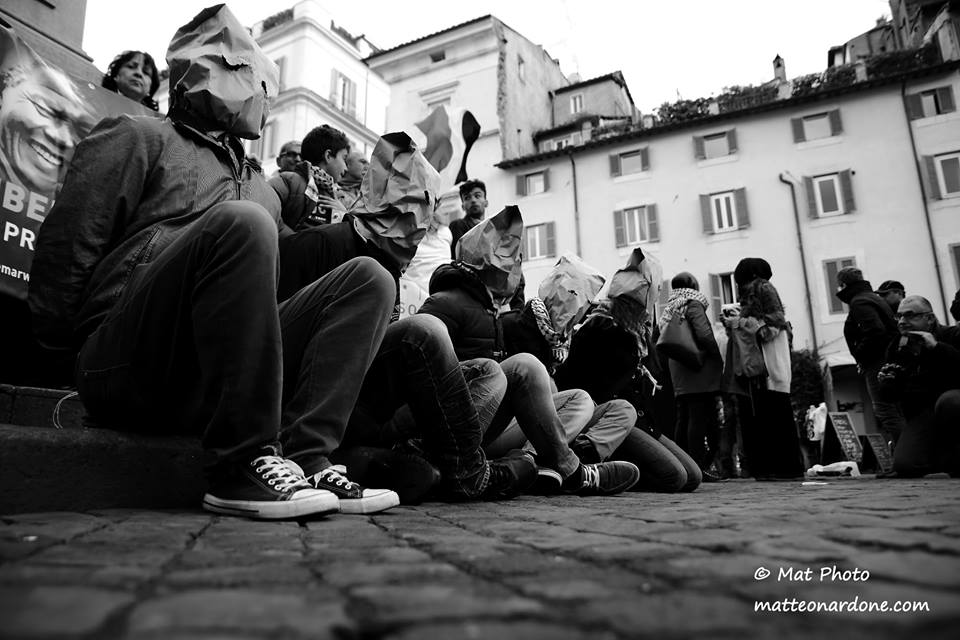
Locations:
(922, 374)
(462, 302)
(706, 379)
(869, 326)
(163, 176)
(522, 335)
(310, 254)
(602, 361)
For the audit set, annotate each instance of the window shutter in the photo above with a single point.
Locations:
(614, 164)
(743, 216)
(551, 239)
(698, 151)
(521, 185)
(930, 163)
(732, 141)
(525, 242)
(798, 133)
(811, 198)
(716, 297)
(914, 106)
(706, 214)
(836, 126)
(653, 225)
(352, 98)
(619, 229)
(281, 62)
(644, 159)
(546, 180)
(849, 206)
(945, 97)
(334, 86)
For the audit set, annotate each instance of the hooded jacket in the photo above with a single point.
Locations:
(462, 302)
(869, 326)
(134, 186)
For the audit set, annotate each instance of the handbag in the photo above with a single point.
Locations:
(676, 342)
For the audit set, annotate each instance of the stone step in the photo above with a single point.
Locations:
(74, 468)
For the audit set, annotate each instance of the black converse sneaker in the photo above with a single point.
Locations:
(353, 498)
(266, 488)
(602, 479)
(510, 476)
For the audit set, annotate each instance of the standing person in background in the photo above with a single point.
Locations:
(892, 293)
(695, 388)
(309, 192)
(134, 74)
(349, 182)
(767, 423)
(868, 330)
(473, 199)
(289, 156)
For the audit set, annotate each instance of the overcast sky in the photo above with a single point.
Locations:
(692, 48)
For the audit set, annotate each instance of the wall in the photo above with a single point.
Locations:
(606, 98)
(888, 220)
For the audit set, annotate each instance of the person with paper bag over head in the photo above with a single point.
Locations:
(415, 388)
(158, 263)
(466, 296)
(543, 329)
(606, 358)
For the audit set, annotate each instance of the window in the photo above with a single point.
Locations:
(715, 145)
(264, 146)
(438, 56)
(944, 174)
(521, 69)
(931, 103)
(343, 93)
(723, 290)
(281, 75)
(533, 183)
(830, 270)
(955, 254)
(576, 103)
(629, 162)
(725, 211)
(539, 241)
(635, 225)
(816, 126)
(561, 143)
(829, 195)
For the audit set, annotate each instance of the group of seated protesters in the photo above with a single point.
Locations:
(200, 298)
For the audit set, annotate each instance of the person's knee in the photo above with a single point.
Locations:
(525, 366)
(622, 411)
(241, 219)
(370, 276)
(423, 326)
(947, 408)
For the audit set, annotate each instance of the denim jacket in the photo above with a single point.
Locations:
(135, 184)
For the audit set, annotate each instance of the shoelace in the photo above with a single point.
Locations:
(276, 471)
(591, 476)
(335, 475)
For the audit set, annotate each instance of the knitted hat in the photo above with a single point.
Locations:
(849, 275)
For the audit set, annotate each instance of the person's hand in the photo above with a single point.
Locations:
(334, 204)
(750, 324)
(888, 372)
(929, 341)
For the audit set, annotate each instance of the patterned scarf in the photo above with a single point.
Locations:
(559, 344)
(678, 302)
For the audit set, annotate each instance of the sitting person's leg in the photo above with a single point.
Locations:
(194, 343)
(664, 466)
(529, 397)
(574, 408)
(606, 430)
(331, 331)
(947, 416)
(914, 455)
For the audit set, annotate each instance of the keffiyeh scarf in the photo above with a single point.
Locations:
(559, 345)
(677, 302)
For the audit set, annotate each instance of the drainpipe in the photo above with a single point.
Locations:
(926, 208)
(788, 179)
(576, 202)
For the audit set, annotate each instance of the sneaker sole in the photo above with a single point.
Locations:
(547, 483)
(372, 504)
(269, 510)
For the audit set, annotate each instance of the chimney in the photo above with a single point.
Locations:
(779, 69)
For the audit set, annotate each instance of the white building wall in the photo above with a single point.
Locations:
(886, 234)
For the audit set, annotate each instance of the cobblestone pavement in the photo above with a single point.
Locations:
(632, 566)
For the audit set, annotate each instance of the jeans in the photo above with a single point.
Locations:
(664, 466)
(529, 398)
(195, 342)
(331, 331)
(889, 418)
(416, 370)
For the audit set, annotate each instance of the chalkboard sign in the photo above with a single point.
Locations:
(881, 451)
(840, 441)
